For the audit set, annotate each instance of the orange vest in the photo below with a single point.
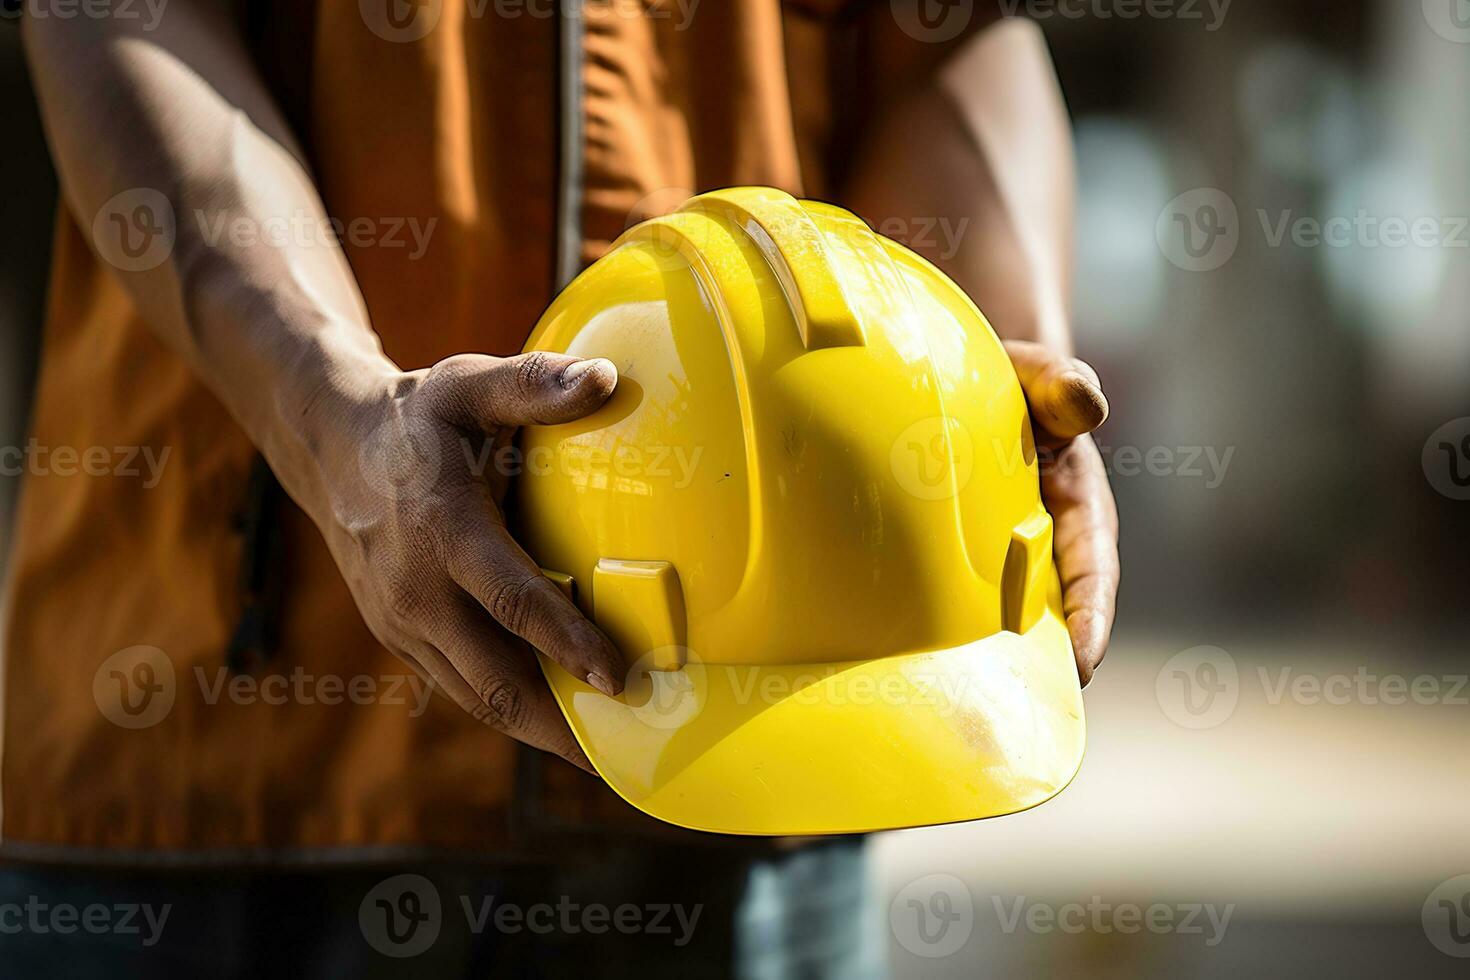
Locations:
(482, 150)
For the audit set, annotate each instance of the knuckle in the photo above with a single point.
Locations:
(511, 599)
(446, 384)
(404, 597)
(367, 540)
(533, 373)
(384, 630)
(505, 705)
(423, 522)
(452, 370)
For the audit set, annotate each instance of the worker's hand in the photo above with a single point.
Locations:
(413, 521)
(1067, 403)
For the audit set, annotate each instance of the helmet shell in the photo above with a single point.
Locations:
(810, 518)
(814, 429)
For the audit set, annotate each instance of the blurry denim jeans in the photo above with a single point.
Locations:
(803, 913)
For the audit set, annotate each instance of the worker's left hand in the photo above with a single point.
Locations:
(1067, 403)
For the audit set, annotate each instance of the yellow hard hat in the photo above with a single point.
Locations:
(810, 518)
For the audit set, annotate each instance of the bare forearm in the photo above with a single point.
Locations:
(275, 327)
(978, 169)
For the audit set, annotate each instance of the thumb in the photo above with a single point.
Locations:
(536, 388)
(1064, 394)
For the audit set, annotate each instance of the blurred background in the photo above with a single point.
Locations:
(1273, 280)
(1245, 748)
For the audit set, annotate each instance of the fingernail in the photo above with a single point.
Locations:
(1083, 398)
(602, 684)
(573, 373)
(1077, 378)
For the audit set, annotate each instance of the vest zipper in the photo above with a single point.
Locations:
(262, 548)
(570, 168)
(527, 812)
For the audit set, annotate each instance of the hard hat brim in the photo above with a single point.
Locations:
(989, 728)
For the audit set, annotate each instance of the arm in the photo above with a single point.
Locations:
(280, 334)
(977, 166)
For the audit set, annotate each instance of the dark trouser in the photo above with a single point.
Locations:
(640, 914)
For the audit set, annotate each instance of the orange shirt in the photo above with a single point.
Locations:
(481, 150)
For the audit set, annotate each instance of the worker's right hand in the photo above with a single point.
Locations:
(1067, 403)
(412, 517)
